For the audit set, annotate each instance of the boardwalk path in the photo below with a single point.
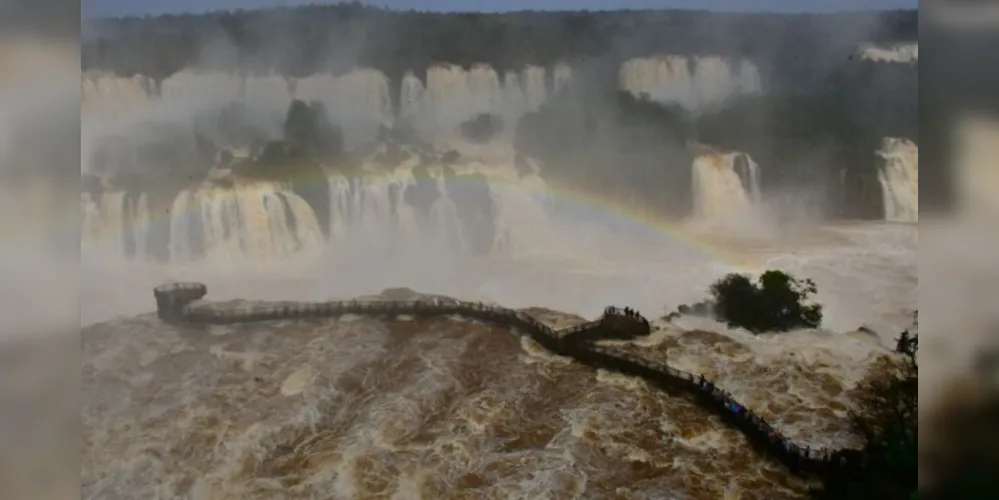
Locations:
(182, 303)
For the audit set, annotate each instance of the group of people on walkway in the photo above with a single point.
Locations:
(821, 454)
(627, 312)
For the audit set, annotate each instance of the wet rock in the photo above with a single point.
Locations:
(171, 299)
(987, 365)
(450, 157)
(703, 309)
(224, 158)
(867, 331)
(92, 184)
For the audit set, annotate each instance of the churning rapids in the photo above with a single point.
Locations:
(443, 408)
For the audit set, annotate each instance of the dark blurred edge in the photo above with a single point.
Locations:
(961, 77)
(959, 444)
(39, 412)
(58, 19)
(959, 441)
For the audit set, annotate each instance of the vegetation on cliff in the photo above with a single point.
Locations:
(309, 140)
(886, 416)
(481, 128)
(614, 143)
(886, 402)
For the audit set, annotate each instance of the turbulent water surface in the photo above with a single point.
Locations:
(446, 408)
(438, 408)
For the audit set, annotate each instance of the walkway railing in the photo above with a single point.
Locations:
(181, 302)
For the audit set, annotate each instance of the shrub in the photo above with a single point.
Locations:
(886, 415)
(887, 404)
(309, 133)
(777, 302)
(275, 154)
(482, 128)
(226, 158)
(450, 157)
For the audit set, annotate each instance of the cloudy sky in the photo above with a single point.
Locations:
(102, 8)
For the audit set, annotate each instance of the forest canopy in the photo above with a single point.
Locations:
(304, 40)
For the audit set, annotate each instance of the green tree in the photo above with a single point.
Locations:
(887, 402)
(778, 302)
(275, 154)
(482, 127)
(329, 147)
(299, 128)
(309, 134)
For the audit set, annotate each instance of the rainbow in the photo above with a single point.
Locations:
(637, 216)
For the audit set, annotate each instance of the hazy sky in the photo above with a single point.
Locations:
(101, 8)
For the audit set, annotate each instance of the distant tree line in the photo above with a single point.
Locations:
(304, 40)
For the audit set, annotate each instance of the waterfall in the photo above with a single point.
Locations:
(451, 96)
(535, 89)
(897, 53)
(116, 224)
(255, 221)
(90, 226)
(415, 208)
(370, 211)
(976, 178)
(561, 76)
(454, 94)
(898, 174)
(692, 82)
(475, 207)
(726, 187)
(467, 208)
(211, 87)
(359, 100)
(260, 221)
(106, 98)
(411, 98)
